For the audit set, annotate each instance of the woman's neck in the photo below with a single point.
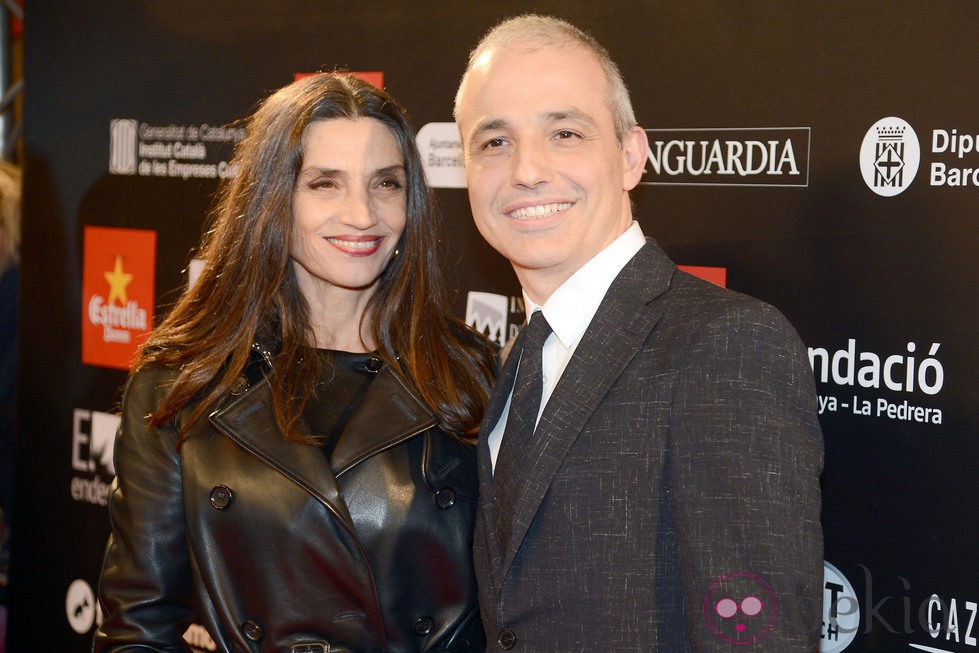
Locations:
(336, 320)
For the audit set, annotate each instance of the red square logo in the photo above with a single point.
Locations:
(118, 281)
(717, 276)
(372, 77)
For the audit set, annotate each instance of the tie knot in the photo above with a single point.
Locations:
(536, 331)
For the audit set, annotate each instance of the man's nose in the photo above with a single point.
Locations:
(531, 164)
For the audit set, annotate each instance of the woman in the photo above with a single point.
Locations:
(303, 481)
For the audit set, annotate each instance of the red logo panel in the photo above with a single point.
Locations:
(372, 77)
(118, 281)
(717, 276)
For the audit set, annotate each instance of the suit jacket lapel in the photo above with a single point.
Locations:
(622, 323)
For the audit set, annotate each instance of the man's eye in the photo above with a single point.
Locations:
(493, 142)
(565, 134)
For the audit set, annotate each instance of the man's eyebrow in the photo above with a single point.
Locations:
(570, 114)
(490, 125)
(573, 115)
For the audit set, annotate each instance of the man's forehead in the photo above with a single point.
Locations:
(517, 70)
(527, 48)
(544, 116)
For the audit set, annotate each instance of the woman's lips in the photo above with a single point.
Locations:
(356, 245)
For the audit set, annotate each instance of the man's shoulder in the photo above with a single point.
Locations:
(698, 294)
(698, 306)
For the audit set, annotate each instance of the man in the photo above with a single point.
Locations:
(668, 497)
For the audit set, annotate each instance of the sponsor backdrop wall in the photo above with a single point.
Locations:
(821, 157)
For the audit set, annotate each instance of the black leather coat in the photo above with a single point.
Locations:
(259, 540)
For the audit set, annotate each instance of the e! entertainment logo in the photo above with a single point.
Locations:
(118, 280)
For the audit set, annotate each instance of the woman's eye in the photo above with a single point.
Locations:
(322, 183)
(392, 184)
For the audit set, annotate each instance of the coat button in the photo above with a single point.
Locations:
(252, 630)
(507, 639)
(221, 497)
(239, 385)
(445, 498)
(373, 365)
(423, 626)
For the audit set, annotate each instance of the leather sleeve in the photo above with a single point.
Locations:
(145, 587)
(745, 457)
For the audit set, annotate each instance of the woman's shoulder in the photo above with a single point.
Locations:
(152, 376)
(147, 386)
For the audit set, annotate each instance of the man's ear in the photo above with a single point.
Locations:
(635, 146)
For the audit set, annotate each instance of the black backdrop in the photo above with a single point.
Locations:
(880, 286)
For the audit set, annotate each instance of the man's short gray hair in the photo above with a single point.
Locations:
(550, 31)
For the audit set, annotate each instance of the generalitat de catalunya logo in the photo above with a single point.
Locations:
(118, 281)
(889, 156)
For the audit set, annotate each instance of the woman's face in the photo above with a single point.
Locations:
(349, 206)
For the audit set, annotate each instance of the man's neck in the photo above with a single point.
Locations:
(539, 285)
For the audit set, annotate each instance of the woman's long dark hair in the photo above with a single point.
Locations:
(247, 290)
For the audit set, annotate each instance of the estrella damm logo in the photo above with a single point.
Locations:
(118, 279)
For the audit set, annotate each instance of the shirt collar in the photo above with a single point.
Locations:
(570, 309)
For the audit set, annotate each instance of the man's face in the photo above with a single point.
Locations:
(548, 179)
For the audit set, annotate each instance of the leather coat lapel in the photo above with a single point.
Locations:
(248, 420)
(389, 414)
(622, 323)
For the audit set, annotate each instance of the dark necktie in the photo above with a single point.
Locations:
(511, 463)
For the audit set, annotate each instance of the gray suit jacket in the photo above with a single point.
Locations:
(674, 475)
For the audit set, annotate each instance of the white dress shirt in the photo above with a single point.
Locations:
(569, 310)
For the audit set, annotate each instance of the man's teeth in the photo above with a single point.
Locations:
(354, 244)
(539, 211)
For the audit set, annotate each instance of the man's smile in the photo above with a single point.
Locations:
(539, 211)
